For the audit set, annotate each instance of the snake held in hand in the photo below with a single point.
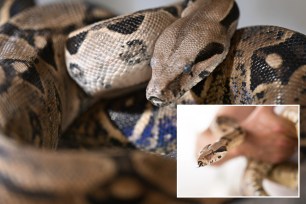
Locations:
(233, 135)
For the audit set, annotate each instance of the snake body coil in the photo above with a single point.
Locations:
(39, 101)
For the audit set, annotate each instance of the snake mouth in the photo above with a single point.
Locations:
(200, 163)
(157, 101)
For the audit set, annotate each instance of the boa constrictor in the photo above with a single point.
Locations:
(233, 135)
(262, 64)
(39, 101)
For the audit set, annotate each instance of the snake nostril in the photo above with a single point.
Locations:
(156, 101)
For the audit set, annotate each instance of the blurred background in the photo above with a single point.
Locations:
(290, 14)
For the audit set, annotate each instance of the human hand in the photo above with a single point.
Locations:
(270, 138)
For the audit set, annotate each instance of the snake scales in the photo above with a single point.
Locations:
(39, 101)
(232, 135)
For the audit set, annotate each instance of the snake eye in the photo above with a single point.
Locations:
(221, 149)
(187, 68)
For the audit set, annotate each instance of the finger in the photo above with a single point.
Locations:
(277, 157)
(286, 127)
(231, 111)
(270, 150)
(278, 122)
(283, 141)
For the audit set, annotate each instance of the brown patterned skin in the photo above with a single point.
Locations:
(128, 121)
(38, 101)
(9, 8)
(114, 55)
(187, 51)
(265, 65)
(162, 72)
(29, 175)
(240, 79)
(35, 87)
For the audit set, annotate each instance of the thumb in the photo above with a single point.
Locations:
(275, 122)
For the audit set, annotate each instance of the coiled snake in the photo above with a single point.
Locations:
(39, 100)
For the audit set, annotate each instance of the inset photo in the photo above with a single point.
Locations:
(238, 151)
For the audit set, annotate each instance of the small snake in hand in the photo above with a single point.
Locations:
(233, 135)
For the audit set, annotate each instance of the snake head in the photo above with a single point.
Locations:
(174, 75)
(211, 154)
(190, 49)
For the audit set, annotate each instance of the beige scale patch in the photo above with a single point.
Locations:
(2, 76)
(40, 42)
(274, 60)
(20, 67)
